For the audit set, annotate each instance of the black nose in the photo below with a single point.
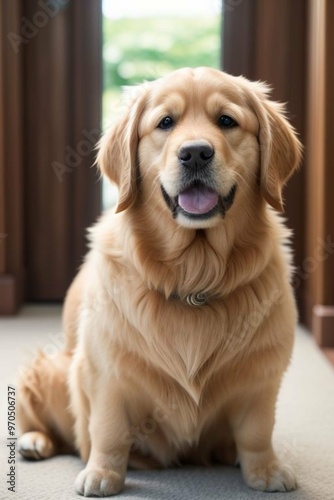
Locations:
(195, 154)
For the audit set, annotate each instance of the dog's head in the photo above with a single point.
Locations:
(200, 141)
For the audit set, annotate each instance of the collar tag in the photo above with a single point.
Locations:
(197, 299)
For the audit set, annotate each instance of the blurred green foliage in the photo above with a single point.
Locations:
(141, 49)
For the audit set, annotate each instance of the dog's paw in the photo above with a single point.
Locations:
(35, 446)
(274, 477)
(96, 482)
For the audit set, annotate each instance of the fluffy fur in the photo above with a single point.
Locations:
(145, 378)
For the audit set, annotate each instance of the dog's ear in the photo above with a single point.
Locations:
(117, 156)
(280, 149)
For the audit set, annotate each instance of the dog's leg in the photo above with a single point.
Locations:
(109, 441)
(80, 408)
(253, 423)
(43, 414)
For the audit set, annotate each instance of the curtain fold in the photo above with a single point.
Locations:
(11, 162)
(319, 265)
(51, 61)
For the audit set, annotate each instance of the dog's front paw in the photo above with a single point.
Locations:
(97, 482)
(273, 477)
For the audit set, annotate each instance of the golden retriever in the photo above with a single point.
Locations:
(180, 324)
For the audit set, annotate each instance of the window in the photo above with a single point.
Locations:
(145, 40)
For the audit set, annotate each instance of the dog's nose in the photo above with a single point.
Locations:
(195, 154)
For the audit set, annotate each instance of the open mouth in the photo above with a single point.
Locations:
(199, 201)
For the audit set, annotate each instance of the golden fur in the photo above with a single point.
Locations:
(152, 380)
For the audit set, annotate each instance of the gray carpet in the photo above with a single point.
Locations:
(304, 434)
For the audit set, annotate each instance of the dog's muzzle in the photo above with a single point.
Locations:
(198, 198)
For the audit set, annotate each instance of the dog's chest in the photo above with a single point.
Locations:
(188, 343)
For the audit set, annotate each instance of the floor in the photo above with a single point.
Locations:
(304, 433)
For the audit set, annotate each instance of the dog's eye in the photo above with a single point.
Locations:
(226, 121)
(166, 123)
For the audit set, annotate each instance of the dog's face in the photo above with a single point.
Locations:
(200, 141)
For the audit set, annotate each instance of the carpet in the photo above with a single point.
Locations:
(304, 431)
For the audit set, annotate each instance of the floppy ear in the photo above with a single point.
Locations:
(117, 156)
(280, 150)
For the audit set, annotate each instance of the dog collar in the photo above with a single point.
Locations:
(194, 299)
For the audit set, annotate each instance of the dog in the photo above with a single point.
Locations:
(180, 323)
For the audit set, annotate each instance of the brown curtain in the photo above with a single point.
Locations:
(11, 162)
(319, 263)
(52, 78)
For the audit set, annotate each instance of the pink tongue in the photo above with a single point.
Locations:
(198, 200)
